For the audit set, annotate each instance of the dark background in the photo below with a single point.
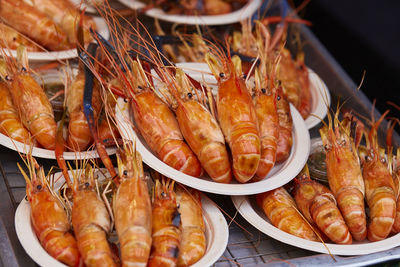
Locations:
(362, 35)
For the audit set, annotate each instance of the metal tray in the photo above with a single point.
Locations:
(247, 246)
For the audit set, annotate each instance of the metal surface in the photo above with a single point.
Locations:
(247, 246)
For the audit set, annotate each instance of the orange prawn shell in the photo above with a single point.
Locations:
(305, 104)
(67, 16)
(34, 108)
(91, 222)
(381, 199)
(396, 177)
(10, 123)
(285, 139)
(12, 39)
(51, 226)
(205, 138)
(79, 135)
(288, 75)
(34, 24)
(193, 240)
(166, 235)
(46, 212)
(132, 210)
(49, 219)
(238, 121)
(280, 209)
(345, 180)
(267, 116)
(317, 204)
(160, 129)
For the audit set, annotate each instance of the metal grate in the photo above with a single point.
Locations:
(247, 246)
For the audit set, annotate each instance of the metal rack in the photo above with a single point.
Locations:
(247, 246)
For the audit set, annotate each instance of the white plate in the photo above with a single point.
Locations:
(279, 175)
(216, 234)
(243, 13)
(36, 57)
(50, 76)
(49, 154)
(248, 208)
(321, 99)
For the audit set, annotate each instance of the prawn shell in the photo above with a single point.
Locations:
(285, 139)
(305, 104)
(67, 17)
(347, 185)
(107, 131)
(34, 109)
(238, 121)
(34, 24)
(10, 123)
(193, 239)
(51, 226)
(380, 196)
(91, 222)
(318, 205)
(205, 138)
(396, 224)
(79, 135)
(288, 75)
(12, 39)
(280, 208)
(132, 211)
(160, 129)
(165, 228)
(267, 116)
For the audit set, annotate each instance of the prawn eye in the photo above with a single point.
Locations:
(39, 187)
(244, 76)
(327, 147)
(189, 95)
(163, 194)
(221, 75)
(263, 90)
(23, 69)
(367, 158)
(8, 78)
(125, 100)
(383, 160)
(140, 87)
(86, 184)
(278, 97)
(125, 172)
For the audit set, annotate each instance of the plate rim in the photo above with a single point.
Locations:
(297, 159)
(47, 153)
(35, 57)
(211, 214)
(246, 11)
(246, 209)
